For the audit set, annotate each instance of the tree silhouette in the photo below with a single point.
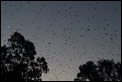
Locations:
(104, 70)
(18, 62)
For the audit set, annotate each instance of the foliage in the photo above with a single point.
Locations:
(18, 62)
(104, 70)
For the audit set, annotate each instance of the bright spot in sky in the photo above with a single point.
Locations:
(9, 27)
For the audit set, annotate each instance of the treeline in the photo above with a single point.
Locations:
(18, 63)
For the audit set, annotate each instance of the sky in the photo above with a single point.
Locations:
(66, 33)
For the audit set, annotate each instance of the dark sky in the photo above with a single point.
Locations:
(66, 33)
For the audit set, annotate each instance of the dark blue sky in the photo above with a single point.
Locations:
(66, 33)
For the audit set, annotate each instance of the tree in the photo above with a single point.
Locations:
(18, 61)
(104, 70)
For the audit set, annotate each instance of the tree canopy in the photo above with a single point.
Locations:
(18, 62)
(104, 70)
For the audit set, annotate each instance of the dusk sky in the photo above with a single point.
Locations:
(66, 33)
